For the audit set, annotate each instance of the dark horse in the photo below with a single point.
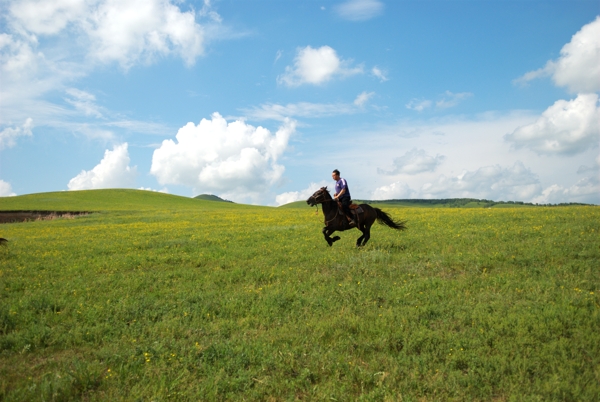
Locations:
(336, 220)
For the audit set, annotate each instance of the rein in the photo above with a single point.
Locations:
(317, 202)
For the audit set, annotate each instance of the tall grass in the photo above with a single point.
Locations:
(155, 297)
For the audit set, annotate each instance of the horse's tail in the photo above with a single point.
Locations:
(387, 220)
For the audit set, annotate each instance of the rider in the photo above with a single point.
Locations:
(342, 194)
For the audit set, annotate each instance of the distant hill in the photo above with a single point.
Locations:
(210, 197)
(445, 203)
(108, 200)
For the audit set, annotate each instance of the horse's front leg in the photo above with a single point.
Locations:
(330, 240)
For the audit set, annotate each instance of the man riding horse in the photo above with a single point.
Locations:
(342, 195)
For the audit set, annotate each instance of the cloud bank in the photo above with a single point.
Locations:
(495, 182)
(234, 160)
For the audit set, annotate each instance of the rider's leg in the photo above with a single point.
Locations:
(346, 207)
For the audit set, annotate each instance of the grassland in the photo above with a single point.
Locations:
(157, 297)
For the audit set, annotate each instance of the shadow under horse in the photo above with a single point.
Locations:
(335, 219)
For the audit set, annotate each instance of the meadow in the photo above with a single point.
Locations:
(158, 297)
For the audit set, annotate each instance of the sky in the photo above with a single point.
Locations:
(258, 101)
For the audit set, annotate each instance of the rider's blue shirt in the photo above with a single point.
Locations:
(341, 184)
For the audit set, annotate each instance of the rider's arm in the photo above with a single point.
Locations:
(342, 191)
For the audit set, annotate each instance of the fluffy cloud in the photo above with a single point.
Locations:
(359, 10)
(397, 190)
(6, 189)
(565, 128)
(113, 171)
(9, 135)
(235, 160)
(578, 67)
(121, 31)
(316, 66)
(413, 162)
(516, 183)
(301, 195)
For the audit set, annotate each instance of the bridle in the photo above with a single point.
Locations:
(318, 201)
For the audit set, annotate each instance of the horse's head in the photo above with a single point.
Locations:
(318, 197)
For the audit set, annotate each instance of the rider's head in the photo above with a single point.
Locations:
(335, 175)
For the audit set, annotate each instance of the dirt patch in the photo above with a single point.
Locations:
(24, 216)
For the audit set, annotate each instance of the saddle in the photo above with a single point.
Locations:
(354, 208)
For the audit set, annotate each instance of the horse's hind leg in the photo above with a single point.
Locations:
(360, 240)
(366, 236)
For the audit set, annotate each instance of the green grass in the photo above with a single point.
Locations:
(157, 297)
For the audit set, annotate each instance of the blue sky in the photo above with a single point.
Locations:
(258, 101)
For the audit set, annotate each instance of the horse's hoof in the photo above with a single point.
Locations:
(336, 238)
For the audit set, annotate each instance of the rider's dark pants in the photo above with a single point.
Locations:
(346, 201)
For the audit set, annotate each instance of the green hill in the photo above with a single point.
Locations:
(104, 200)
(210, 197)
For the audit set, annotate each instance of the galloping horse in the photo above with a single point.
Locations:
(336, 220)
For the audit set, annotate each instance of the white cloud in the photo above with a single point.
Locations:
(48, 17)
(565, 128)
(359, 10)
(278, 56)
(292, 196)
(316, 66)
(396, 190)
(272, 111)
(84, 102)
(516, 183)
(418, 104)
(164, 190)
(376, 71)
(113, 171)
(362, 98)
(414, 162)
(6, 189)
(128, 32)
(450, 99)
(586, 190)
(578, 67)
(123, 31)
(234, 159)
(8, 136)
(447, 100)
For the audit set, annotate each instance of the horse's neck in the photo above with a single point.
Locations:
(329, 207)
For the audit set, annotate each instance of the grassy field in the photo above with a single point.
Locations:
(158, 297)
